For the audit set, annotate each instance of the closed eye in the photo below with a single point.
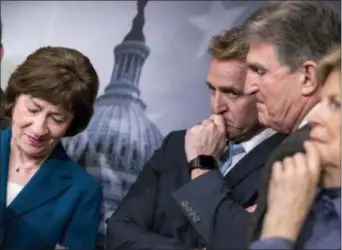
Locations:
(258, 70)
(334, 104)
(32, 110)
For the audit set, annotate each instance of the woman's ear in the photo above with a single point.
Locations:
(310, 83)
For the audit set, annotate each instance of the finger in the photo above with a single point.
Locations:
(208, 122)
(300, 164)
(313, 159)
(219, 121)
(277, 171)
(194, 128)
(288, 166)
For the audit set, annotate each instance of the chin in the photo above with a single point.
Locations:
(33, 151)
(262, 120)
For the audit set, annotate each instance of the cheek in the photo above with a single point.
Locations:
(57, 131)
(335, 134)
(21, 118)
(244, 111)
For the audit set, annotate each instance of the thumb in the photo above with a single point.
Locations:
(219, 121)
(313, 159)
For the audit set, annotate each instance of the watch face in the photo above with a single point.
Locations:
(206, 160)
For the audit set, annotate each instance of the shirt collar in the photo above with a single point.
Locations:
(305, 119)
(257, 139)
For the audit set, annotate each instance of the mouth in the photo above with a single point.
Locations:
(34, 141)
(316, 139)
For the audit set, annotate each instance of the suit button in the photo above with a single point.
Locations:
(185, 203)
(196, 219)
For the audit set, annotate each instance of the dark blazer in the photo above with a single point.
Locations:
(291, 145)
(164, 209)
(59, 205)
(4, 123)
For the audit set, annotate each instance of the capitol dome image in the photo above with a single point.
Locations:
(119, 139)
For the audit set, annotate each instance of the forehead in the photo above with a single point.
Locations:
(332, 85)
(43, 104)
(229, 71)
(263, 54)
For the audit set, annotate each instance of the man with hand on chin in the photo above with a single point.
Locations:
(195, 190)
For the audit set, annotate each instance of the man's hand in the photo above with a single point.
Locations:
(292, 190)
(207, 138)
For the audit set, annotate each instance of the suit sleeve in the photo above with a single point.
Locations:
(272, 244)
(131, 226)
(83, 227)
(210, 207)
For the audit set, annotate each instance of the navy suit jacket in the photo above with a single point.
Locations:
(165, 209)
(59, 205)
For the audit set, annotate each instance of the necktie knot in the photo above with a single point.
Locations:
(226, 160)
(235, 148)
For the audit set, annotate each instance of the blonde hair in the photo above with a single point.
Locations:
(230, 44)
(329, 63)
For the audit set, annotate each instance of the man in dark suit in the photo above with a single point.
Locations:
(282, 73)
(195, 190)
(4, 123)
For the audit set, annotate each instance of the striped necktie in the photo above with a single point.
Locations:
(226, 161)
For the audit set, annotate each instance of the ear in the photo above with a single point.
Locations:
(310, 84)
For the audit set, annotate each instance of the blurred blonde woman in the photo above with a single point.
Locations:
(300, 215)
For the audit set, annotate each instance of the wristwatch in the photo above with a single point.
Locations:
(207, 162)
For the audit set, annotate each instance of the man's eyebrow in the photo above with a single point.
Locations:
(209, 84)
(230, 89)
(226, 89)
(255, 65)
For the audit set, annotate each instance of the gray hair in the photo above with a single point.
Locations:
(300, 30)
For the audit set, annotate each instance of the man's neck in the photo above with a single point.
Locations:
(303, 112)
(250, 134)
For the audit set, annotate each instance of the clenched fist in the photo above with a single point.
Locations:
(293, 186)
(207, 138)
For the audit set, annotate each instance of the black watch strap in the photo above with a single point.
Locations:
(207, 162)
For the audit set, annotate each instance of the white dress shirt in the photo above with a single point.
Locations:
(249, 145)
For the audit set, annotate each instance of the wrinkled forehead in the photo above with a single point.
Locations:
(229, 72)
(263, 54)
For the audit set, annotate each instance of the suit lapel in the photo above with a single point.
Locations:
(52, 179)
(253, 160)
(5, 137)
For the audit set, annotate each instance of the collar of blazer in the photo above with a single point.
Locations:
(256, 158)
(52, 178)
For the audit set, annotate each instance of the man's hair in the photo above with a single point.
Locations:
(329, 63)
(300, 30)
(61, 76)
(230, 44)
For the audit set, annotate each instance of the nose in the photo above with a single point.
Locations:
(251, 86)
(219, 106)
(39, 126)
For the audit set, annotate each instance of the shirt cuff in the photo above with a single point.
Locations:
(272, 243)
